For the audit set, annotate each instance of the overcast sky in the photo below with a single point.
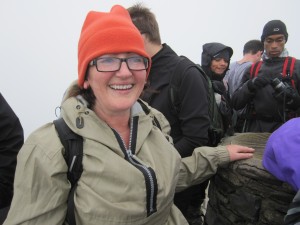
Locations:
(38, 47)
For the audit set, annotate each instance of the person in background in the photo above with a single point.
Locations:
(11, 141)
(270, 91)
(189, 125)
(281, 158)
(130, 169)
(252, 52)
(215, 60)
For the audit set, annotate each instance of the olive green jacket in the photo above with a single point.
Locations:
(118, 186)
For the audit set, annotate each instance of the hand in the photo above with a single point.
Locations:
(218, 87)
(238, 152)
(257, 83)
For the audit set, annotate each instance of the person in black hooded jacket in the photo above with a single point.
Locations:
(215, 62)
(11, 140)
(189, 126)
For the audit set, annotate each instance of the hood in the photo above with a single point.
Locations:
(209, 50)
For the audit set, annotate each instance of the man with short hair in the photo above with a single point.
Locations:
(252, 53)
(189, 127)
(270, 89)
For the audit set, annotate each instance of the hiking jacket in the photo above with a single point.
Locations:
(266, 112)
(281, 158)
(114, 187)
(11, 140)
(189, 127)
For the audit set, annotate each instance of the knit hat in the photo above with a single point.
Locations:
(274, 27)
(108, 33)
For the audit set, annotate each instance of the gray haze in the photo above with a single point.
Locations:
(38, 47)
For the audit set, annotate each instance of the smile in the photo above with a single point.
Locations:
(121, 87)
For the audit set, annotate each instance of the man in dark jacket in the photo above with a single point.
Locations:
(272, 94)
(11, 140)
(189, 127)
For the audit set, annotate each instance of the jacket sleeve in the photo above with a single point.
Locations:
(242, 96)
(193, 116)
(201, 165)
(41, 185)
(11, 140)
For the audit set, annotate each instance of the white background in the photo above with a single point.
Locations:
(38, 47)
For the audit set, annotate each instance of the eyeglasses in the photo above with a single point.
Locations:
(278, 40)
(112, 64)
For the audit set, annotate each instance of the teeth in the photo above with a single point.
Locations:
(121, 87)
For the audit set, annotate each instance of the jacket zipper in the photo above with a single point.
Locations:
(148, 172)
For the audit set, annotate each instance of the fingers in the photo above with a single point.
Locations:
(244, 149)
(238, 152)
(245, 156)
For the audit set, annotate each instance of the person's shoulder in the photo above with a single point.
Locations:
(44, 138)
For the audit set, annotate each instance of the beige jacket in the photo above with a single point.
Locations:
(114, 188)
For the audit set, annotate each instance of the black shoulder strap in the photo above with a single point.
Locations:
(73, 145)
(176, 79)
(147, 111)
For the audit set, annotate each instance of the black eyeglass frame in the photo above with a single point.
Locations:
(121, 60)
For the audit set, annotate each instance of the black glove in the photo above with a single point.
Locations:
(257, 83)
(293, 98)
(218, 87)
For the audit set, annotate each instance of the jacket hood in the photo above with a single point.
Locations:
(209, 50)
(212, 49)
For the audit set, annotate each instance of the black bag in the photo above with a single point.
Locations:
(216, 129)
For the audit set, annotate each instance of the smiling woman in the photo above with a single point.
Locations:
(137, 167)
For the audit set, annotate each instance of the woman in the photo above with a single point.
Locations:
(130, 170)
(215, 62)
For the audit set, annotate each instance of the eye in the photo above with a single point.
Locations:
(136, 59)
(108, 60)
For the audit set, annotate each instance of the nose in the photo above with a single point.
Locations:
(274, 44)
(124, 70)
(223, 62)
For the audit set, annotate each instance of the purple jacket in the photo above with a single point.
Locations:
(282, 154)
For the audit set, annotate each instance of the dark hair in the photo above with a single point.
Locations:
(145, 21)
(87, 94)
(253, 46)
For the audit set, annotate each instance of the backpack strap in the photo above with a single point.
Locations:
(288, 68)
(147, 111)
(176, 79)
(73, 144)
(255, 67)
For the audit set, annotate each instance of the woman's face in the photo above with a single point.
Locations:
(218, 66)
(115, 91)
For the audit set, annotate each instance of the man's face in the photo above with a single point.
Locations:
(274, 45)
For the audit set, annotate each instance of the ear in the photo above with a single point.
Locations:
(86, 84)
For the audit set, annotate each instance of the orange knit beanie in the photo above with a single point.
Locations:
(108, 33)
